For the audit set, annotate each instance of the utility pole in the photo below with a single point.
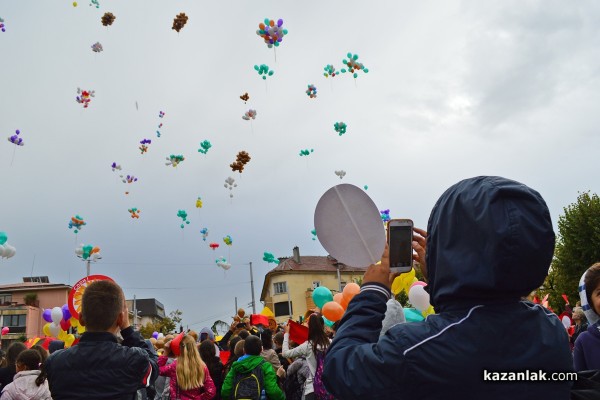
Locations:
(134, 312)
(289, 301)
(339, 278)
(235, 313)
(252, 288)
(87, 266)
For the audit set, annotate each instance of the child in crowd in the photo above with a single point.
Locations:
(8, 372)
(29, 382)
(189, 376)
(586, 354)
(214, 364)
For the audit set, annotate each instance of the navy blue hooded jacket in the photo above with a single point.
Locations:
(490, 243)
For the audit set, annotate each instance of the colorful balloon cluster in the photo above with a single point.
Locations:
(385, 215)
(248, 115)
(179, 21)
(115, 167)
(417, 295)
(222, 262)
(329, 71)
(59, 321)
(230, 184)
(6, 250)
(214, 246)
(94, 2)
(144, 145)
(15, 139)
(204, 146)
(108, 19)
(199, 202)
(270, 258)
(228, 240)
(263, 70)
(204, 232)
(311, 91)
(88, 251)
(97, 47)
(183, 215)
(240, 162)
(160, 115)
(128, 179)
(341, 173)
(340, 128)
(85, 97)
(76, 222)
(353, 65)
(174, 160)
(2, 25)
(333, 307)
(135, 213)
(271, 32)
(245, 97)
(306, 152)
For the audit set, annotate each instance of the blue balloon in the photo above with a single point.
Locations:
(413, 315)
(322, 295)
(328, 322)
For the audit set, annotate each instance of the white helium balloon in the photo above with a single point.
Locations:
(57, 315)
(54, 327)
(419, 298)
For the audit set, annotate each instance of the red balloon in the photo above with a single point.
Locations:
(65, 325)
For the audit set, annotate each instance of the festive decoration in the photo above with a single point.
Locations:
(144, 145)
(230, 184)
(135, 213)
(97, 47)
(93, 2)
(204, 147)
(174, 160)
(314, 233)
(222, 262)
(199, 202)
(385, 216)
(341, 173)
(311, 91)
(108, 19)
(245, 97)
(2, 25)
(88, 251)
(271, 32)
(85, 97)
(353, 65)
(248, 115)
(241, 160)
(128, 179)
(15, 139)
(228, 240)
(204, 233)
(306, 152)
(115, 167)
(263, 70)
(76, 222)
(329, 71)
(6, 250)
(340, 128)
(179, 21)
(183, 215)
(270, 258)
(214, 246)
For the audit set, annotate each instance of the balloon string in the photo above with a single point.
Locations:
(252, 127)
(13, 156)
(362, 239)
(275, 52)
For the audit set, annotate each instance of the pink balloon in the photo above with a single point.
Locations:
(418, 283)
(5, 330)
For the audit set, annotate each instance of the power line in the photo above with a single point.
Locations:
(185, 287)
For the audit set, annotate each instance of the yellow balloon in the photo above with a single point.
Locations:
(46, 329)
(81, 329)
(403, 281)
(74, 4)
(62, 335)
(429, 311)
(74, 322)
(69, 340)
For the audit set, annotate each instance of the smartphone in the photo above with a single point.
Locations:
(400, 237)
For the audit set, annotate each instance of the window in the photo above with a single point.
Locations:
(316, 284)
(5, 298)
(16, 323)
(283, 308)
(343, 284)
(280, 287)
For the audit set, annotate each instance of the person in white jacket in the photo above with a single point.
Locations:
(29, 382)
(317, 341)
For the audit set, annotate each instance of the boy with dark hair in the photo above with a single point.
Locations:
(586, 354)
(99, 367)
(251, 365)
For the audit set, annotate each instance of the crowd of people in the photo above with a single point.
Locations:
(488, 245)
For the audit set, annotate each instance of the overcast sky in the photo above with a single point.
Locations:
(455, 89)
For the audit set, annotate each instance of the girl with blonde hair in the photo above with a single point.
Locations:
(189, 376)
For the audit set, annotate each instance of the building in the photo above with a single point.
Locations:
(291, 283)
(22, 305)
(148, 310)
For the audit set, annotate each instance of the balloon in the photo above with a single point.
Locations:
(328, 322)
(66, 312)
(76, 222)
(245, 97)
(15, 139)
(314, 233)
(230, 184)
(365, 187)
(155, 335)
(311, 91)
(144, 145)
(306, 152)
(353, 66)
(3, 238)
(108, 19)
(183, 215)
(418, 283)
(115, 167)
(271, 32)
(222, 262)
(263, 70)
(204, 233)
(351, 290)
(341, 173)
(199, 202)
(74, 4)
(419, 298)
(54, 329)
(322, 295)
(175, 344)
(333, 311)
(69, 339)
(248, 115)
(65, 325)
(228, 240)
(97, 47)
(160, 336)
(240, 162)
(47, 315)
(566, 321)
(340, 128)
(179, 21)
(135, 213)
(174, 160)
(385, 215)
(62, 335)
(270, 258)
(329, 71)
(338, 297)
(412, 315)
(7, 251)
(81, 329)
(204, 146)
(5, 330)
(46, 329)
(85, 97)
(57, 315)
(214, 246)
(403, 282)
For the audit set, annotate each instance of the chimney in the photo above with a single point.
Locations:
(296, 255)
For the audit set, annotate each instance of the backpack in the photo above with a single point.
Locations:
(250, 385)
(318, 386)
(295, 381)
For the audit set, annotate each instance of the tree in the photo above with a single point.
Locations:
(220, 327)
(577, 248)
(175, 316)
(165, 327)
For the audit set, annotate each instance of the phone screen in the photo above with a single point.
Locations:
(400, 246)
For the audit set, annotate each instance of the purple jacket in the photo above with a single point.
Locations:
(586, 354)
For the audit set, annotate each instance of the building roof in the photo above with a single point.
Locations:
(307, 265)
(148, 308)
(23, 286)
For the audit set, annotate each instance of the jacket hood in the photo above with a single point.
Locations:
(209, 332)
(25, 387)
(247, 364)
(590, 314)
(490, 240)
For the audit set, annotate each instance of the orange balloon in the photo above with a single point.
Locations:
(261, 26)
(351, 290)
(344, 303)
(272, 23)
(332, 311)
(338, 298)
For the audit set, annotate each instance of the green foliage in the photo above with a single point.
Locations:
(577, 248)
(402, 298)
(175, 316)
(165, 327)
(220, 327)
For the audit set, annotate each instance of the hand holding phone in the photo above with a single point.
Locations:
(400, 238)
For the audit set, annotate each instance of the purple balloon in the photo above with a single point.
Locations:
(66, 312)
(47, 315)
(279, 22)
(155, 335)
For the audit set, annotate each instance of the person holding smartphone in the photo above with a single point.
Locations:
(489, 243)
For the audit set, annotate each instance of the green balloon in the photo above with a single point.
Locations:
(285, 31)
(3, 238)
(413, 315)
(328, 322)
(181, 226)
(322, 295)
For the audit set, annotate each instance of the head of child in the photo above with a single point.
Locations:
(29, 360)
(190, 367)
(252, 346)
(208, 353)
(592, 287)
(103, 307)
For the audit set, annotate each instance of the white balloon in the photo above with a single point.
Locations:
(161, 336)
(419, 298)
(57, 316)
(566, 321)
(54, 328)
(1, 251)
